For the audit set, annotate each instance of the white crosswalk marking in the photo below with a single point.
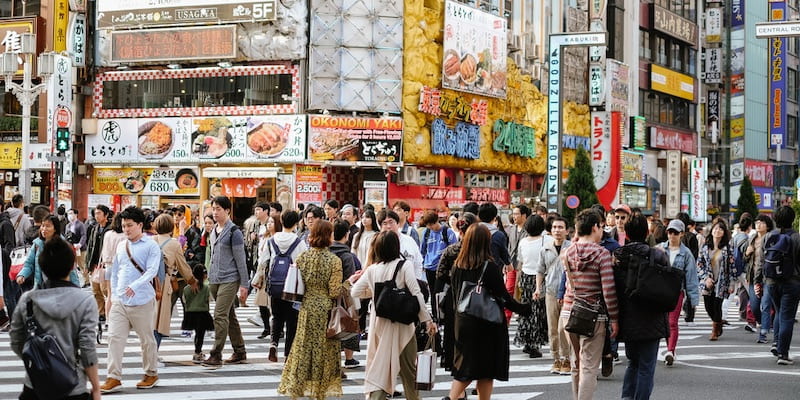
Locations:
(259, 379)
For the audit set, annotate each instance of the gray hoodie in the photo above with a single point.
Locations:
(67, 313)
(21, 227)
(284, 240)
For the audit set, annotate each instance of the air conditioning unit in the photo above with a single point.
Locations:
(408, 175)
(518, 59)
(532, 50)
(515, 42)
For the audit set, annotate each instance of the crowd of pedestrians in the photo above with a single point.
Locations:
(541, 267)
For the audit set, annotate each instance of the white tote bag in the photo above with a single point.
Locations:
(426, 367)
(293, 288)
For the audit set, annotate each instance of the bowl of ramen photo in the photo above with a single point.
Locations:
(155, 139)
(212, 137)
(186, 179)
(268, 139)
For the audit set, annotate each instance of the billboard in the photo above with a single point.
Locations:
(137, 13)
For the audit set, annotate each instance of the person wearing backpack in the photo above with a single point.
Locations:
(641, 326)
(435, 238)
(67, 313)
(680, 257)
(274, 264)
(760, 303)
(716, 272)
(783, 281)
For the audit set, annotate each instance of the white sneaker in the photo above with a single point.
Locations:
(669, 358)
(256, 321)
(691, 323)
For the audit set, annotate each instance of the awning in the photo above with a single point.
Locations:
(426, 204)
(250, 172)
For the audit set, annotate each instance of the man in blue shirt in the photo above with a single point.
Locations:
(435, 238)
(133, 301)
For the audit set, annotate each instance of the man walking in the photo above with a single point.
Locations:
(516, 232)
(20, 220)
(403, 211)
(97, 232)
(133, 301)
(75, 233)
(785, 293)
(228, 273)
(435, 239)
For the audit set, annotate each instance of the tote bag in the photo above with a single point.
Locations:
(293, 289)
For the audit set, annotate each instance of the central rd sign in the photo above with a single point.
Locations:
(766, 30)
(554, 126)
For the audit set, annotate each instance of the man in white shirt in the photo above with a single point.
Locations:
(133, 301)
(390, 221)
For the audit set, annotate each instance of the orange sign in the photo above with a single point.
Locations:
(184, 43)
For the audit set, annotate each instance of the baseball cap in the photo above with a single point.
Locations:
(676, 225)
(624, 208)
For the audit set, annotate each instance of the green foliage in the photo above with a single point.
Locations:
(14, 124)
(747, 200)
(580, 183)
(796, 207)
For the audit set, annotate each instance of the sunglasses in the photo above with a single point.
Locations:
(673, 232)
(622, 217)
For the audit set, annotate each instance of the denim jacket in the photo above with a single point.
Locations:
(684, 260)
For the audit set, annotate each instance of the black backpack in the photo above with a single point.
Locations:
(279, 267)
(779, 256)
(658, 286)
(51, 374)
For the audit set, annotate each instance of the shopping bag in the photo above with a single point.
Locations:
(426, 367)
(293, 289)
(343, 321)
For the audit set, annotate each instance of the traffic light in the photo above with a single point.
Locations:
(62, 140)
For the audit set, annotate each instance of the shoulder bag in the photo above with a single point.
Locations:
(477, 302)
(584, 314)
(658, 286)
(156, 283)
(393, 303)
(343, 321)
(51, 374)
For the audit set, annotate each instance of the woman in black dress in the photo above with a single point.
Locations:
(481, 348)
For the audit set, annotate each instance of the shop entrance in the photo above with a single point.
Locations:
(243, 206)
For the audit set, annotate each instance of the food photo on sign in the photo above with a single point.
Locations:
(212, 137)
(155, 139)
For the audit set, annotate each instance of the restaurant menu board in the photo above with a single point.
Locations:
(355, 139)
(474, 51)
(268, 138)
(308, 184)
(147, 181)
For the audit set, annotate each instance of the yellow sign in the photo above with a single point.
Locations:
(9, 34)
(737, 127)
(10, 155)
(61, 21)
(671, 82)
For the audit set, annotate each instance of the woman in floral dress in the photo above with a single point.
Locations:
(532, 329)
(312, 368)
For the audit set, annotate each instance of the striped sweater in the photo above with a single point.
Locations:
(591, 268)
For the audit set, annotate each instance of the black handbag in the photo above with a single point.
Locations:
(584, 315)
(393, 303)
(657, 286)
(50, 372)
(477, 302)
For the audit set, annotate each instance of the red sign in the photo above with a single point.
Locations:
(760, 172)
(666, 139)
(241, 187)
(63, 117)
(481, 195)
(308, 184)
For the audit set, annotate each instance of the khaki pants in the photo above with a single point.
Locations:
(559, 345)
(408, 373)
(81, 266)
(120, 321)
(586, 356)
(225, 322)
(100, 290)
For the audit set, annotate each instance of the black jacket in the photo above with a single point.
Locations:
(343, 252)
(637, 321)
(94, 244)
(7, 241)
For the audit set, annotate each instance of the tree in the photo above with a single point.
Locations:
(747, 200)
(580, 183)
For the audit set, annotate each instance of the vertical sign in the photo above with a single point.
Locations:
(713, 25)
(639, 133)
(308, 185)
(699, 202)
(712, 115)
(713, 70)
(553, 177)
(737, 13)
(777, 79)
(605, 154)
(59, 97)
(60, 22)
(76, 42)
(596, 95)
(673, 186)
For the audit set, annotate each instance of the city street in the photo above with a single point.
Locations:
(735, 367)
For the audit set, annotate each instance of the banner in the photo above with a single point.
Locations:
(777, 80)
(258, 138)
(308, 185)
(76, 42)
(355, 139)
(147, 181)
(59, 104)
(713, 66)
(713, 25)
(698, 175)
(474, 51)
(605, 155)
(673, 184)
(713, 115)
(670, 82)
(137, 13)
(760, 172)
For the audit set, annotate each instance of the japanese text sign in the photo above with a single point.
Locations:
(135, 13)
(308, 184)
(463, 141)
(451, 105)
(76, 42)
(174, 44)
(776, 74)
(355, 139)
(147, 181)
(760, 172)
(674, 25)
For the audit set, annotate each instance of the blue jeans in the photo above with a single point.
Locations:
(755, 302)
(766, 310)
(11, 294)
(785, 298)
(642, 357)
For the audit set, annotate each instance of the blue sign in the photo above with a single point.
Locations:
(737, 13)
(461, 142)
(777, 81)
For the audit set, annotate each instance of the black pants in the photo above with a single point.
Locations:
(362, 315)
(264, 311)
(29, 394)
(199, 336)
(713, 307)
(430, 274)
(283, 314)
(688, 309)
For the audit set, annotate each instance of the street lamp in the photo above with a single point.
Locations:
(26, 94)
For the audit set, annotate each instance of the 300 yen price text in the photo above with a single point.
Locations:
(308, 188)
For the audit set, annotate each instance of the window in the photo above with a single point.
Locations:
(429, 177)
(661, 51)
(675, 59)
(644, 45)
(692, 116)
(681, 113)
(665, 109)
(691, 66)
(791, 131)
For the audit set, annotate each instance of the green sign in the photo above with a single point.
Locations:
(513, 138)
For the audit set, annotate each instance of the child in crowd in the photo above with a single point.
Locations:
(196, 316)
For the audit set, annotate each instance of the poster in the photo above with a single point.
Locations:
(284, 192)
(308, 185)
(699, 201)
(267, 138)
(474, 51)
(147, 181)
(376, 193)
(355, 139)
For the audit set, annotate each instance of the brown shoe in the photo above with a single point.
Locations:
(566, 367)
(236, 358)
(273, 354)
(714, 331)
(213, 361)
(111, 385)
(147, 382)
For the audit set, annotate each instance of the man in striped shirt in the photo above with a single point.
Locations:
(590, 277)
